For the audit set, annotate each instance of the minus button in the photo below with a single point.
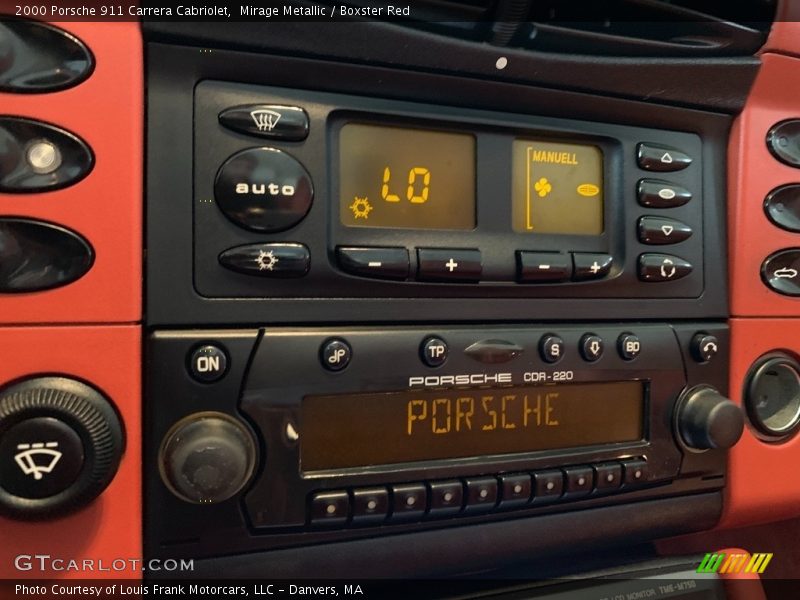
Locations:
(374, 262)
(543, 267)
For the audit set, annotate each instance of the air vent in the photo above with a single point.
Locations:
(648, 27)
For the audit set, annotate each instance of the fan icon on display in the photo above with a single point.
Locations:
(265, 120)
(37, 459)
(543, 187)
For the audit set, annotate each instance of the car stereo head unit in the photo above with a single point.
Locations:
(293, 436)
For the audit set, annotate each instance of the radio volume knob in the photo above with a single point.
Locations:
(207, 457)
(706, 419)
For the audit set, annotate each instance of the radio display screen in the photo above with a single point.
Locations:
(406, 178)
(557, 188)
(359, 430)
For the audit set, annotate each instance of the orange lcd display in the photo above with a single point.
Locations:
(406, 178)
(356, 430)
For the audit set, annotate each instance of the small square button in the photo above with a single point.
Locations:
(370, 505)
(579, 481)
(634, 471)
(447, 498)
(607, 477)
(547, 486)
(481, 494)
(516, 490)
(329, 508)
(409, 501)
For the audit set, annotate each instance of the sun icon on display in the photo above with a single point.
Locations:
(266, 261)
(361, 208)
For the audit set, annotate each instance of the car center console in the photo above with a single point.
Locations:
(422, 317)
(373, 314)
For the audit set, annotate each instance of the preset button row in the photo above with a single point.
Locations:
(408, 502)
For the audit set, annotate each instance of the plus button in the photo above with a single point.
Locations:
(451, 265)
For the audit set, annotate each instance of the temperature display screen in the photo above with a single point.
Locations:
(357, 430)
(407, 178)
(557, 188)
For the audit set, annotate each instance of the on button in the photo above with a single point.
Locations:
(208, 363)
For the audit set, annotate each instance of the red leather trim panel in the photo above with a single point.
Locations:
(110, 528)
(107, 112)
(753, 173)
(758, 488)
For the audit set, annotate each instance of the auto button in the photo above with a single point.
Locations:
(781, 272)
(263, 190)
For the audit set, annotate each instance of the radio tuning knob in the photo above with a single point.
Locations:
(706, 419)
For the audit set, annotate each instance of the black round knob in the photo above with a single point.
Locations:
(207, 458)
(772, 396)
(706, 419)
(60, 446)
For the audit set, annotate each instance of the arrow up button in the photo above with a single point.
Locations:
(654, 157)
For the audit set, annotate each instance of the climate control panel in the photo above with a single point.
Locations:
(308, 194)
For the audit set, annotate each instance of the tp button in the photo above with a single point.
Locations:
(434, 351)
